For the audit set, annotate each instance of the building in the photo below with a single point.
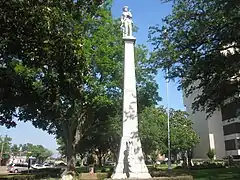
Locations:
(220, 132)
(210, 131)
(231, 128)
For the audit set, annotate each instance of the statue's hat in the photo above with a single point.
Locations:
(125, 7)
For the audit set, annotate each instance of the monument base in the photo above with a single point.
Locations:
(132, 176)
(131, 164)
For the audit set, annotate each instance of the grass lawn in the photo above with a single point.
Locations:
(203, 174)
(207, 174)
(216, 174)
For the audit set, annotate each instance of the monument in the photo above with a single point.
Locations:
(131, 162)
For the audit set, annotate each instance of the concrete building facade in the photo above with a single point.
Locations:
(220, 132)
(210, 131)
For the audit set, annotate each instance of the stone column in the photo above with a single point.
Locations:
(131, 162)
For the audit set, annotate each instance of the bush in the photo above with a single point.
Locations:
(34, 174)
(208, 165)
(17, 177)
(211, 154)
(78, 163)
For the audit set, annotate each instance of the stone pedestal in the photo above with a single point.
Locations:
(131, 162)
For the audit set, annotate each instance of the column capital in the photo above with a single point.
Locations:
(129, 39)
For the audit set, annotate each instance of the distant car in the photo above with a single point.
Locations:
(110, 163)
(16, 168)
(61, 165)
(41, 166)
(37, 166)
(47, 165)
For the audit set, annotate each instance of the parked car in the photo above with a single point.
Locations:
(110, 163)
(16, 168)
(37, 166)
(61, 165)
(47, 165)
(41, 166)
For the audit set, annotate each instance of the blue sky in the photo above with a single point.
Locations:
(145, 14)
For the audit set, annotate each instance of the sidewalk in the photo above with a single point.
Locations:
(3, 169)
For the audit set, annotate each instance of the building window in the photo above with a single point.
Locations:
(238, 143)
(230, 145)
(230, 110)
(231, 128)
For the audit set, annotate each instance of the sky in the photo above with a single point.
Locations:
(146, 13)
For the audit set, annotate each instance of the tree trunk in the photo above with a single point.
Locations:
(185, 163)
(115, 155)
(99, 159)
(71, 156)
(190, 156)
(69, 139)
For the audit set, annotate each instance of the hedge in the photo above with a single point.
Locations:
(34, 174)
(17, 177)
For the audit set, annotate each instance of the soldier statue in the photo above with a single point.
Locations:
(127, 22)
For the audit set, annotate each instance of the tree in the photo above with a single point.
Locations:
(42, 58)
(153, 133)
(154, 136)
(200, 34)
(183, 137)
(37, 151)
(5, 144)
(106, 133)
(15, 149)
(61, 147)
(153, 130)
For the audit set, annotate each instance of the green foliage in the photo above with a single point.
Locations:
(15, 149)
(191, 40)
(17, 177)
(183, 137)
(44, 53)
(211, 154)
(105, 134)
(37, 151)
(153, 130)
(5, 144)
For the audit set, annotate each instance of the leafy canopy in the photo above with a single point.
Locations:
(191, 44)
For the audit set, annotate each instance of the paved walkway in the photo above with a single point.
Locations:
(3, 169)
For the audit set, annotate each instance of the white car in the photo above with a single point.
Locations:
(37, 166)
(41, 166)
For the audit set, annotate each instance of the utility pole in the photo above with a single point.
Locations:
(168, 124)
(165, 33)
